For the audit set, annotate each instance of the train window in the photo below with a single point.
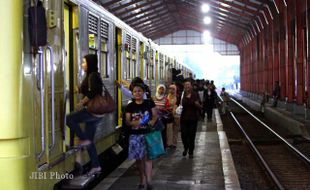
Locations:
(127, 55)
(104, 28)
(152, 64)
(152, 72)
(147, 70)
(134, 57)
(104, 59)
(93, 33)
(166, 68)
(161, 66)
(127, 66)
(92, 38)
(134, 64)
(92, 51)
(147, 60)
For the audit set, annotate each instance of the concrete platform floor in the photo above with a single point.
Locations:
(211, 168)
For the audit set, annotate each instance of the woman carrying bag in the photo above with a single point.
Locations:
(164, 109)
(140, 115)
(173, 128)
(90, 87)
(189, 118)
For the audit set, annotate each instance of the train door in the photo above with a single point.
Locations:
(73, 74)
(118, 45)
(48, 92)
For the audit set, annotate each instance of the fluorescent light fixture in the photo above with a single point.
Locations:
(207, 20)
(205, 8)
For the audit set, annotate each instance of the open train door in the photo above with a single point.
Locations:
(73, 75)
(118, 45)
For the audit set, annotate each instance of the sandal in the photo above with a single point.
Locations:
(94, 171)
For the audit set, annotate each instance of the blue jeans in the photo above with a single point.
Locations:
(74, 119)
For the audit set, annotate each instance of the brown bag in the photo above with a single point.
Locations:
(101, 104)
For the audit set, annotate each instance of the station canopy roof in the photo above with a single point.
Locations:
(233, 21)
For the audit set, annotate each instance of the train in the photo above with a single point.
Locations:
(42, 45)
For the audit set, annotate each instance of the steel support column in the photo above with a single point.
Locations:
(283, 50)
(270, 59)
(291, 71)
(276, 52)
(307, 98)
(300, 10)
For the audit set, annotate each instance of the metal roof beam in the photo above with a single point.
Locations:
(153, 19)
(135, 8)
(124, 5)
(157, 26)
(151, 8)
(109, 3)
(148, 15)
(155, 23)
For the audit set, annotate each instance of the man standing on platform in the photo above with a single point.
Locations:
(276, 94)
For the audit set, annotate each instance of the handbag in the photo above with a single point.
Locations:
(168, 117)
(101, 103)
(158, 125)
(154, 145)
(179, 109)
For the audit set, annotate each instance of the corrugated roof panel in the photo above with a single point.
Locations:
(155, 18)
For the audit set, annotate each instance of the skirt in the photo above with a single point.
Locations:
(137, 147)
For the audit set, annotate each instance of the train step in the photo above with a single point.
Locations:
(79, 182)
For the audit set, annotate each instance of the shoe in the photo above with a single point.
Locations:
(190, 156)
(184, 152)
(141, 186)
(83, 144)
(94, 171)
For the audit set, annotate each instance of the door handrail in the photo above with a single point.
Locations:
(42, 94)
(52, 75)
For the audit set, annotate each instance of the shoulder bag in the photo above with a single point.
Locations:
(154, 145)
(101, 103)
(179, 109)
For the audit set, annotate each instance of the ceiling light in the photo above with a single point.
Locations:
(207, 20)
(205, 8)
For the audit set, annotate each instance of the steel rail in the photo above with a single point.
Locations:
(266, 166)
(305, 158)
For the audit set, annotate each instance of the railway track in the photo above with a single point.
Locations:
(287, 166)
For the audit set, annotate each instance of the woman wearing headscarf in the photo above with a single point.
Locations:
(173, 127)
(163, 107)
(90, 87)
